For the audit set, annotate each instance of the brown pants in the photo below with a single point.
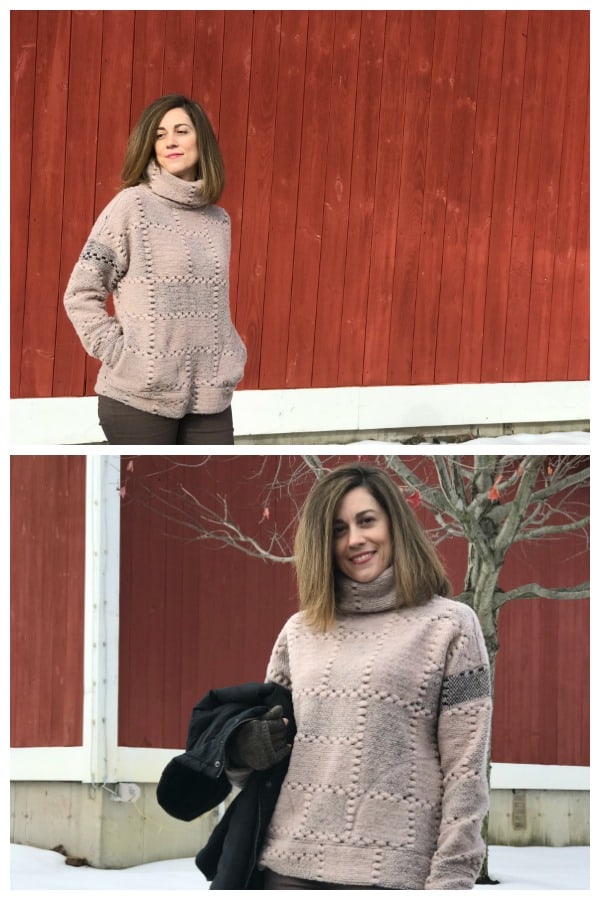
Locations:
(276, 882)
(122, 424)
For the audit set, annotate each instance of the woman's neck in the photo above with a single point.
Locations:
(371, 596)
(178, 190)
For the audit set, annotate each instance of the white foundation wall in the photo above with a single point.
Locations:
(342, 415)
(90, 824)
(526, 818)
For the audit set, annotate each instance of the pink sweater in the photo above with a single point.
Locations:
(171, 347)
(387, 782)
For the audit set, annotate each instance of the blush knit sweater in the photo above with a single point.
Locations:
(171, 347)
(387, 782)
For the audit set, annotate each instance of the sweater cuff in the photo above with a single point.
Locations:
(449, 878)
(237, 777)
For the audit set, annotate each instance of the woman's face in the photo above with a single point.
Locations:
(362, 540)
(176, 145)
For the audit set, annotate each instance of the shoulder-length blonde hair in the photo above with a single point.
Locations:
(140, 146)
(419, 573)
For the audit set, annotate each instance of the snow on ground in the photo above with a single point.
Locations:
(553, 437)
(556, 438)
(517, 868)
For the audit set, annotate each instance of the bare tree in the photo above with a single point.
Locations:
(494, 503)
(491, 502)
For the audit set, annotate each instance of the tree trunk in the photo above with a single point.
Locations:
(481, 587)
(484, 875)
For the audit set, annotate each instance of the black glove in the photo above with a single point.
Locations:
(259, 743)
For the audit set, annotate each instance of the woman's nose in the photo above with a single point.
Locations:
(354, 536)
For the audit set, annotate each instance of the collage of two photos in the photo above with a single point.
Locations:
(343, 641)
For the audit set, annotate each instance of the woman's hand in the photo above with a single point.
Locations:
(259, 743)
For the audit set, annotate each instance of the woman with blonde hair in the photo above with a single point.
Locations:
(171, 357)
(387, 779)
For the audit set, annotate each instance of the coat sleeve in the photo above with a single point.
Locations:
(192, 783)
(185, 793)
(277, 672)
(464, 726)
(102, 264)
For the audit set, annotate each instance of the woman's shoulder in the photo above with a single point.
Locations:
(123, 202)
(454, 609)
(295, 620)
(218, 213)
(292, 626)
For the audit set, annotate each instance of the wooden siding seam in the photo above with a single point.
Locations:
(446, 274)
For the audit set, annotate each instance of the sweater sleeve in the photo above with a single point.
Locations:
(464, 727)
(102, 264)
(278, 669)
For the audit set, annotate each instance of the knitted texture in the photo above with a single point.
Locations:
(171, 347)
(387, 782)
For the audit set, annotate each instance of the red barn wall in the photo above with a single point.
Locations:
(194, 616)
(409, 190)
(47, 524)
(542, 689)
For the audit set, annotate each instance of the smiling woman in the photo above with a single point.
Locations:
(171, 357)
(176, 145)
(386, 785)
(362, 546)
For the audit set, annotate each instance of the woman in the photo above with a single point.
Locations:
(387, 778)
(171, 357)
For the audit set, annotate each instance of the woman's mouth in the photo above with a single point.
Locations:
(362, 558)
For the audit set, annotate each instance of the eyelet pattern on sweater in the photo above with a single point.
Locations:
(171, 347)
(387, 783)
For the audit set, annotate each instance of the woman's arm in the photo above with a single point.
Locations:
(278, 669)
(101, 266)
(464, 727)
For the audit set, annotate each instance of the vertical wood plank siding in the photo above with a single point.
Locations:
(409, 190)
(195, 616)
(47, 496)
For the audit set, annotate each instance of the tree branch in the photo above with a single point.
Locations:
(561, 484)
(518, 508)
(579, 592)
(431, 496)
(534, 534)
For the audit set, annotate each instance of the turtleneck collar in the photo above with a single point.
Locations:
(378, 595)
(177, 190)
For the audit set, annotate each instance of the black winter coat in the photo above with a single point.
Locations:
(195, 782)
